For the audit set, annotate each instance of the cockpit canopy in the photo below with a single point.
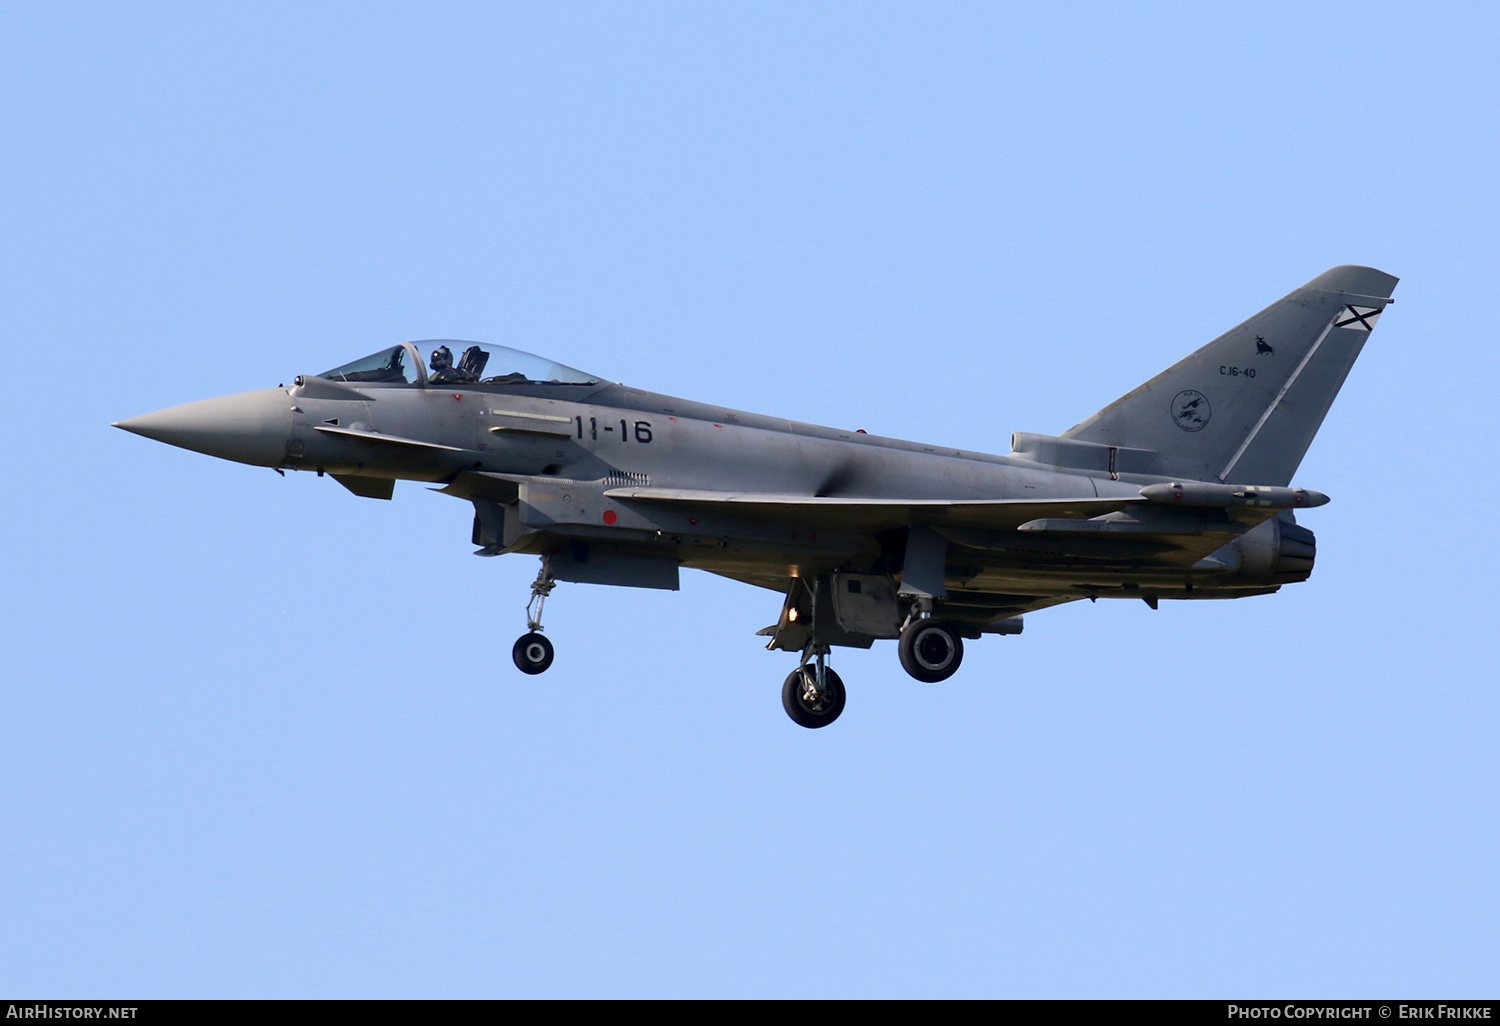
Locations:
(466, 363)
(390, 365)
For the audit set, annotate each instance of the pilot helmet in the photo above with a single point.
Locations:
(442, 358)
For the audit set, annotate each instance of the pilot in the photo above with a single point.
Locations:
(442, 366)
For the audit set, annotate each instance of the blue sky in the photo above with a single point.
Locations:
(263, 738)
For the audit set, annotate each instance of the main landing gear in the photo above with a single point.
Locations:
(813, 695)
(532, 651)
(930, 650)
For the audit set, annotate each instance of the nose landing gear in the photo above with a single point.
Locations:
(532, 651)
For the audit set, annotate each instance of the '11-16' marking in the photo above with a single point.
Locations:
(642, 430)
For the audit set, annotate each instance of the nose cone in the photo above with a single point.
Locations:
(251, 427)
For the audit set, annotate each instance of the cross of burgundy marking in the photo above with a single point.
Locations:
(1353, 318)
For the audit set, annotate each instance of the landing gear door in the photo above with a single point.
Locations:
(793, 629)
(866, 604)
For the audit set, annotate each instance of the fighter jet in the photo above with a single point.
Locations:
(1181, 489)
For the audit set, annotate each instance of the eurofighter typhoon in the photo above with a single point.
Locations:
(1180, 489)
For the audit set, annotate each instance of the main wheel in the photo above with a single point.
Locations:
(930, 650)
(532, 653)
(804, 705)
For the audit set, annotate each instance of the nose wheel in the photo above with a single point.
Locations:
(532, 652)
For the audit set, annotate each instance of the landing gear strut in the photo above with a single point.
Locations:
(532, 651)
(813, 695)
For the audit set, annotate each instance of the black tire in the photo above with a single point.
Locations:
(930, 650)
(532, 653)
(816, 711)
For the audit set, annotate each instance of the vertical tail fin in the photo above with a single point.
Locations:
(1245, 407)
